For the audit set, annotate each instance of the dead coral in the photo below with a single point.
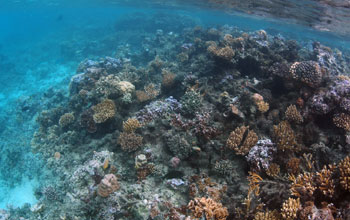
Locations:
(344, 168)
(342, 120)
(103, 111)
(293, 115)
(240, 143)
(108, 185)
(208, 208)
(290, 208)
(130, 141)
(131, 125)
(285, 137)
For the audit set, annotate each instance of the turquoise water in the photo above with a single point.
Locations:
(41, 46)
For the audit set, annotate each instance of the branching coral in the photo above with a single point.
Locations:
(285, 137)
(344, 168)
(66, 120)
(168, 78)
(131, 125)
(342, 120)
(108, 185)
(239, 142)
(293, 115)
(290, 208)
(268, 215)
(208, 208)
(263, 106)
(303, 186)
(293, 166)
(273, 170)
(325, 180)
(129, 141)
(103, 111)
(225, 53)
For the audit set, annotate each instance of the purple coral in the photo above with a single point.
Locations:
(261, 154)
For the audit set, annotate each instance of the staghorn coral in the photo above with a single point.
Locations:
(236, 137)
(293, 115)
(325, 180)
(290, 208)
(308, 72)
(129, 141)
(108, 185)
(285, 137)
(103, 111)
(66, 120)
(344, 169)
(342, 120)
(208, 208)
(131, 125)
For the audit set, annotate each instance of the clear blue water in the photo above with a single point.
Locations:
(42, 44)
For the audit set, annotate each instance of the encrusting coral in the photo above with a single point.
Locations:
(240, 143)
(108, 185)
(208, 208)
(103, 111)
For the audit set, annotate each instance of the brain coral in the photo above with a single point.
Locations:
(103, 111)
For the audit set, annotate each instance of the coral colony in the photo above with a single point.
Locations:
(218, 124)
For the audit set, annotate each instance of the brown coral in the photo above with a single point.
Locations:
(225, 53)
(130, 141)
(308, 72)
(168, 79)
(293, 115)
(344, 168)
(325, 181)
(285, 137)
(290, 208)
(293, 166)
(103, 111)
(303, 185)
(239, 142)
(268, 215)
(131, 125)
(66, 120)
(208, 208)
(108, 185)
(263, 106)
(342, 120)
(273, 170)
